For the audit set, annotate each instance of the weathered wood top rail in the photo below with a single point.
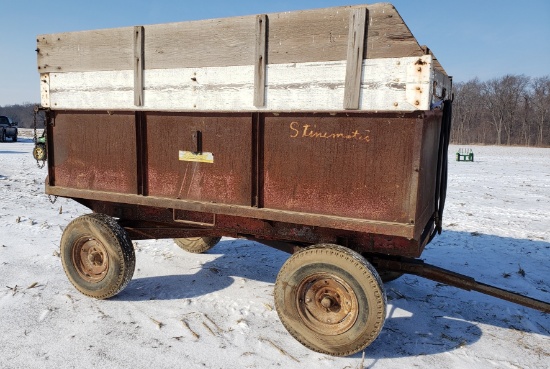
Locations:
(356, 57)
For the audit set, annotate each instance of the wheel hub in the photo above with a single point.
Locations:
(90, 259)
(327, 304)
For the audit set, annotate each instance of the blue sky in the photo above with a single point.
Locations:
(484, 39)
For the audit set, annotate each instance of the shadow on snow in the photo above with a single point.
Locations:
(424, 317)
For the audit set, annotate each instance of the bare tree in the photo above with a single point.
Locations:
(23, 114)
(541, 105)
(503, 97)
(467, 110)
(526, 121)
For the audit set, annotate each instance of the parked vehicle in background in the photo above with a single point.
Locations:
(8, 129)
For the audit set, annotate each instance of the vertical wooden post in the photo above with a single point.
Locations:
(356, 41)
(138, 64)
(260, 62)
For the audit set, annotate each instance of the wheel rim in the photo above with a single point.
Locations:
(89, 256)
(327, 304)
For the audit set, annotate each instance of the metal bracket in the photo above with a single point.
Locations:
(192, 222)
(197, 137)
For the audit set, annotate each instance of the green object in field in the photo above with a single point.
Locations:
(465, 155)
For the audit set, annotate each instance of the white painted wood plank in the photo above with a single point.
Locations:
(209, 89)
(107, 90)
(419, 86)
(45, 90)
(387, 85)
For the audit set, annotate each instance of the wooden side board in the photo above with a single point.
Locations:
(393, 84)
(345, 58)
(293, 37)
(107, 49)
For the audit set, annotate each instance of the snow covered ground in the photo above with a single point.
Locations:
(215, 310)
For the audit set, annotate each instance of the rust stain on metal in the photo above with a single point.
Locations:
(227, 137)
(340, 165)
(95, 151)
(315, 177)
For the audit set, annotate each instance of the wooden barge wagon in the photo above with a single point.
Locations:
(323, 133)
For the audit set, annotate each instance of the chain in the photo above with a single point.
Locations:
(52, 199)
(34, 123)
(35, 137)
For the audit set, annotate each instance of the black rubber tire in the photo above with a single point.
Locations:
(3, 136)
(197, 245)
(356, 309)
(14, 138)
(97, 241)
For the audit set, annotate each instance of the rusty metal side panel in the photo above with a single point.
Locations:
(144, 222)
(351, 165)
(425, 198)
(367, 179)
(227, 137)
(94, 151)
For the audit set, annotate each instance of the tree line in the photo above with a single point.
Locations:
(21, 113)
(509, 110)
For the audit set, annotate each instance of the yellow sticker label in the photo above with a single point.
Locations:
(205, 157)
